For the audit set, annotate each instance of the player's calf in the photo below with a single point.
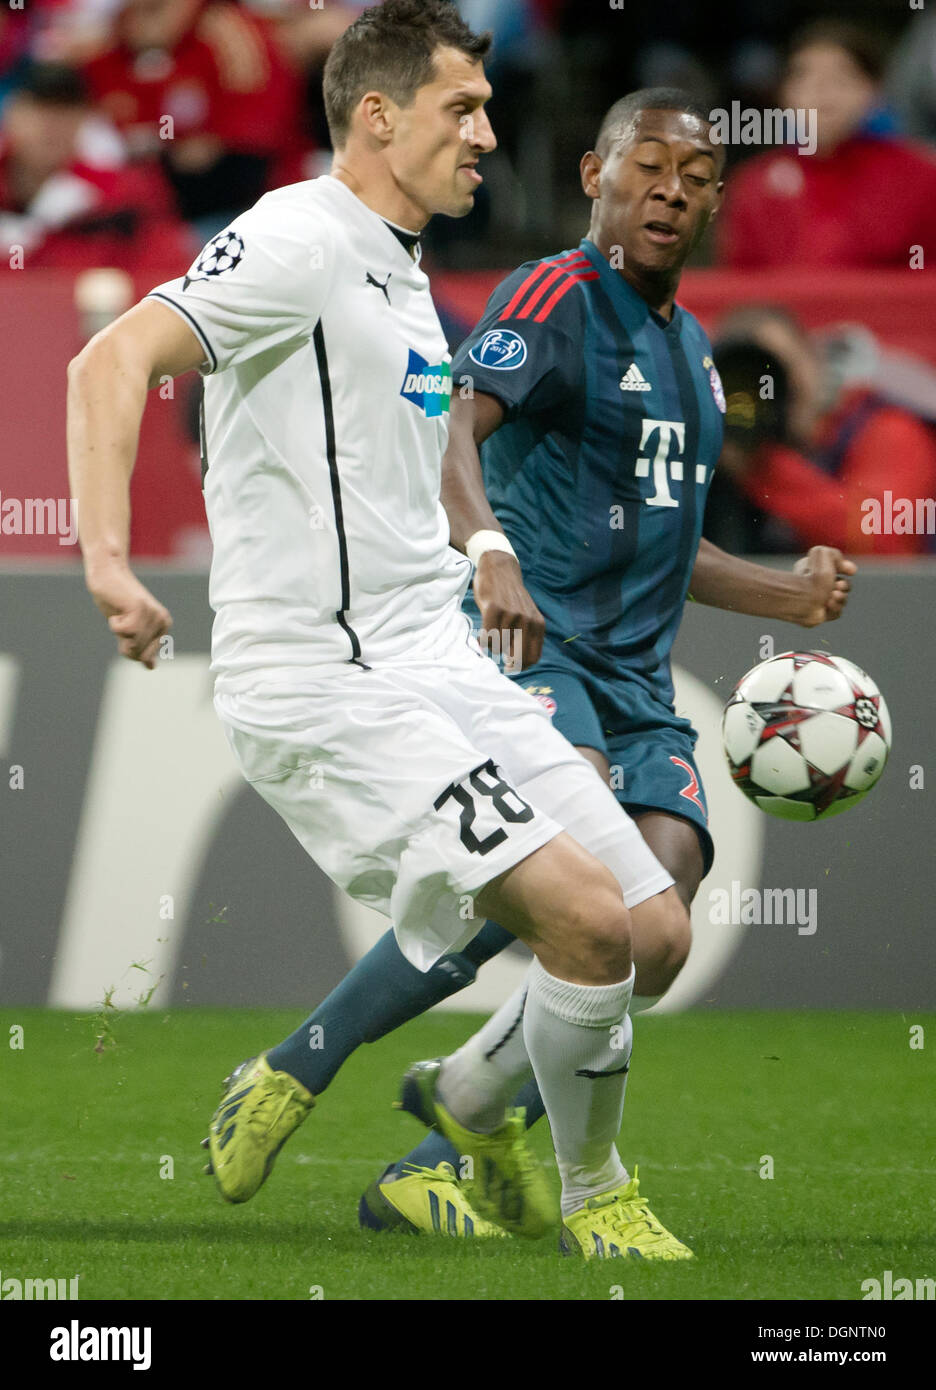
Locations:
(569, 908)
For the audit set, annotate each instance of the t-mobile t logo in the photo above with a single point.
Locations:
(665, 467)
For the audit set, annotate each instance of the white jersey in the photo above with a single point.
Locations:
(325, 419)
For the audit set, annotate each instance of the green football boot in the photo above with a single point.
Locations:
(507, 1184)
(422, 1199)
(259, 1111)
(619, 1224)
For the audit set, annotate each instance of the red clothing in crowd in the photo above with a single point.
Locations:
(95, 216)
(866, 448)
(867, 204)
(14, 39)
(224, 78)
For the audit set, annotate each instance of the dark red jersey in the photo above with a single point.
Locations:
(867, 204)
(224, 77)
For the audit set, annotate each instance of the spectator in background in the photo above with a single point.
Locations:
(70, 32)
(814, 458)
(305, 37)
(67, 198)
(862, 199)
(16, 33)
(911, 78)
(307, 34)
(201, 86)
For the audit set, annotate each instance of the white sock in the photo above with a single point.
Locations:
(479, 1081)
(570, 1030)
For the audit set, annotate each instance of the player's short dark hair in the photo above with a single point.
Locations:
(862, 45)
(625, 111)
(54, 84)
(389, 48)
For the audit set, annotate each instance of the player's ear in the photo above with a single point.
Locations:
(590, 170)
(376, 112)
(719, 192)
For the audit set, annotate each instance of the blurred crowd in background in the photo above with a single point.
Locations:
(131, 131)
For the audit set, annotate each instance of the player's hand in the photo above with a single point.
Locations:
(825, 584)
(507, 611)
(134, 616)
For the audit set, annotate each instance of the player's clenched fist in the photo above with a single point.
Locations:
(825, 572)
(507, 610)
(134, 616)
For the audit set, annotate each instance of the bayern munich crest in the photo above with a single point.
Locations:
(717, 388)
(547, 701)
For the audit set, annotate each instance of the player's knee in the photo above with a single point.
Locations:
(662, 937)
(596, 941)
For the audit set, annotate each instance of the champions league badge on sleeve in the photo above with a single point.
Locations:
(499, 350)
(222, 253)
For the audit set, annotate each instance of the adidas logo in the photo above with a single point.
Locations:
(634, 380)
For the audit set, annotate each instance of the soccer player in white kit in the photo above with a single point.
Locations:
(351, 691)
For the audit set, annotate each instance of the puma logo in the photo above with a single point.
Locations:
(378, 286)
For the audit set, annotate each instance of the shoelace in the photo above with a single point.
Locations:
(635, 1212)
(447, 1175)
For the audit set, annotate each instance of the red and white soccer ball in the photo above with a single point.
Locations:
(806, 735)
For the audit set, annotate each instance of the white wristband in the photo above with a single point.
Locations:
(487, 540)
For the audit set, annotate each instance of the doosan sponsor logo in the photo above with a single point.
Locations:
(427, 386)
(422, 382)
(77, 1343)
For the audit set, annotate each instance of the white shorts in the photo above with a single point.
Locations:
(414, 785)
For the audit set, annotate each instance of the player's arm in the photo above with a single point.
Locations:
(511, 364)
(815, 591)
(498, 583)
(107, 386)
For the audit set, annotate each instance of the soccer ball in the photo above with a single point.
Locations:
(806, 735)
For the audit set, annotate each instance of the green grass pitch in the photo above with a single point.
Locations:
(840, 1102)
